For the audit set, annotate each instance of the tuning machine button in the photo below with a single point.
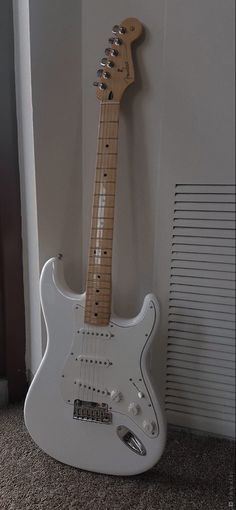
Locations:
(122, 30)
(111, 52)
(114, 53)
(116, 395)
(115, 40)
(118, 29)
(103, 62)
(103, 74)
(133, 408)
(101, 86)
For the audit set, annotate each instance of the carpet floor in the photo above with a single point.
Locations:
(195, 472)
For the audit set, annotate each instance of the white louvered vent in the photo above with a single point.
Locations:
(201, 324)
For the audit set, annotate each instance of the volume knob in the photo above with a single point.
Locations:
(133, 408)
(116, 395)
(148, 426)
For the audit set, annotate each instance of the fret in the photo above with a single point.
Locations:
(107, 161)
(99, 252)
(99, 274)
(105, 215)
(102, 233)
(94, 322)
(105, 181)
(96, 292)
(100, 269)
(105, 285)
(97, 260)
(104, 277)
(92, 307)
(108, 130)
(104, 223)
(101, 243)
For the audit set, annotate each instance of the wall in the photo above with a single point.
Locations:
(176, 127)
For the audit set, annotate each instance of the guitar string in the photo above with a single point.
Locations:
(91, 293)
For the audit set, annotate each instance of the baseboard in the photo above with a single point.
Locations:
(3, 392)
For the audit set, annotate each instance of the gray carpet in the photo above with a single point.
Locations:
(194, 473)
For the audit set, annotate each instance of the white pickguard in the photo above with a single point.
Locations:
(94, 364)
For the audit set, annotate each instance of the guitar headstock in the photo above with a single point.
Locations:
(117, 70)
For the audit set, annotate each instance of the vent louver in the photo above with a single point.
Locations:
(201, 322)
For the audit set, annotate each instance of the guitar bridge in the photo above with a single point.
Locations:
(91, 411)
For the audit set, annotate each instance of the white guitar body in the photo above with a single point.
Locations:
(98, 365)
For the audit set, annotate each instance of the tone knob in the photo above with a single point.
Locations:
(116, 395)
(133, 408)
(148, 426)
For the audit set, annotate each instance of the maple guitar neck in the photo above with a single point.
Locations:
(99, 275)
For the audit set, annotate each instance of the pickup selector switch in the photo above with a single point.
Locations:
(116, 395)
(133, 408)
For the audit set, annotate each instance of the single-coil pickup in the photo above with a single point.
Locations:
(82, 386)
(95, 332)
(93, 360)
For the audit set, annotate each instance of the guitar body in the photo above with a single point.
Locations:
(123, 430)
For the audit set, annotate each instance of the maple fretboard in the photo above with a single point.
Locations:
(99, 276)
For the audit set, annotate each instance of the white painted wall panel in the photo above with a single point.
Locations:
(177, 127)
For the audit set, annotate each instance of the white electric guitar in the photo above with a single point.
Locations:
(92, 403)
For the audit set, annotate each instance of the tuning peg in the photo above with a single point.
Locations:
(103, 62)
(114, 53)
(106, 75)
(101, 86)
(115, 29)
(118, 30)
(110, 63)
(122, 30)
(99, 72)
(115, 40)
